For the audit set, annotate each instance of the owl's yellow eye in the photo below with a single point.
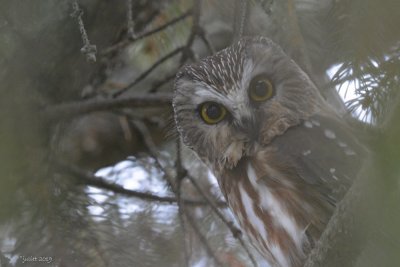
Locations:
(261, 90)
(212, 113)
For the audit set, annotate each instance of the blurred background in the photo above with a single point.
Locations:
(92, 172)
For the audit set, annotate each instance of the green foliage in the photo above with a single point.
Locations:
(376, 82)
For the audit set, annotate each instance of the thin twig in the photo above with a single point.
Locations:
(179, 167)
(87, 178)
(296, 39)
(133, 39)
(87, 49)
(153, 152)
(68, 110)
(181, 205)
(181, 208)
(148, 71)
(187, 51)
(242, 9)
(266, 6)
(196, 21)
(130, 24)
(205, 40)
(180, 174)
(237, 233)
(157, 84)
(203, 239)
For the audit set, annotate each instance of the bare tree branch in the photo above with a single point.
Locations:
(206, 41)
(87, 49)
(132, 39)
(87, 178)
(181, 212)
(295, 37)
(341, 243)
(156, 85)
(202, 239)
(130, 23)
(149, 70)
(180, 174)
(237, 233)
(68, 110)
(242, 8)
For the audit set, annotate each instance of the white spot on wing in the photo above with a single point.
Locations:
(316, 123)
(332, 171)
(342, 144)
(349, 152)
(329, 134)
(306, 152)
(308, 124)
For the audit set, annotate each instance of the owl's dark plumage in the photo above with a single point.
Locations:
(283, 158)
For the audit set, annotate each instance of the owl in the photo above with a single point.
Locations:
(282, 156)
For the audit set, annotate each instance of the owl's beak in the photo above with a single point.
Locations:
(249, 127)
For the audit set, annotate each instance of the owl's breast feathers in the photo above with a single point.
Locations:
(284, 194)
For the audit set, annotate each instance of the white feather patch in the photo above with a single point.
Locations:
(279, 256)
(256, 222)
(270, 203)
(308, 124)
(233, 154)
(329, 134)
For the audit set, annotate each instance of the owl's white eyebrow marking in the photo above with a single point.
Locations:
(204, 92)
(308, 124)
(306, 152)
(270, 203)
(329, 134)
(256, 222)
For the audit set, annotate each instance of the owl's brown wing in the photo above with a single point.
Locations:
(325, 154)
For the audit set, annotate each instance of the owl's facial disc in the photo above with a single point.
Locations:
(230, 104)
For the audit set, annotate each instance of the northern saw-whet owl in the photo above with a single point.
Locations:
(282, 156)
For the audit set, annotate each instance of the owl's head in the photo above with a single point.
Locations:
(229, 104)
